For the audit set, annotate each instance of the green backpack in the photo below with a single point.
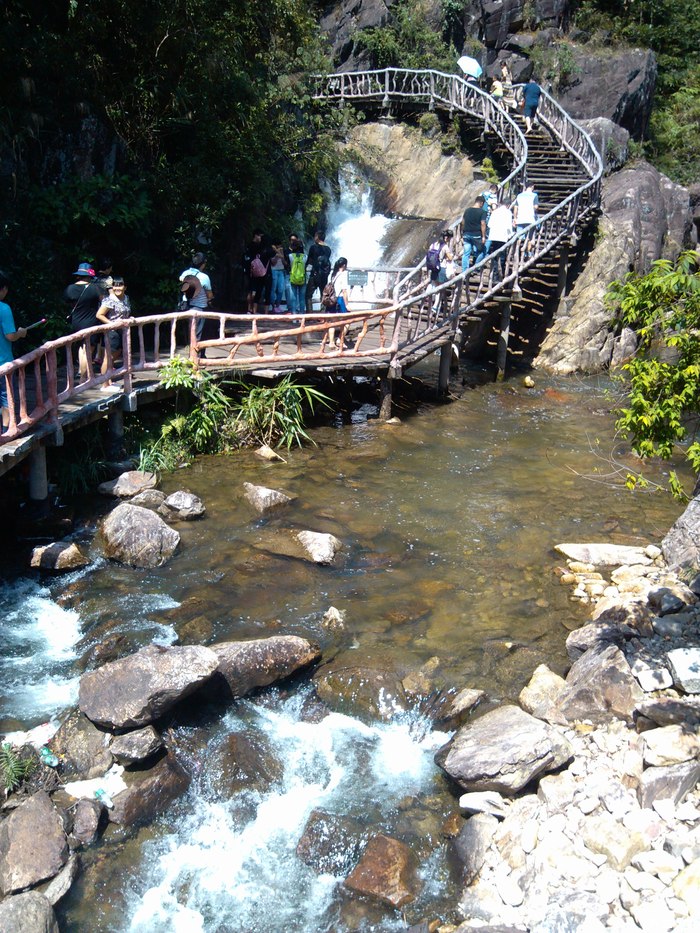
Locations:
(297, 274)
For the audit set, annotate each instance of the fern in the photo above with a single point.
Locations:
(13, 769)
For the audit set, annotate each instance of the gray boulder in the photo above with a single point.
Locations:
(136, 690)
(61, 555)
(610, 139)
(128, 484)
(503, 751)
(182, 506)
(33, 845)
(136, 746)
(149, 499)
(59, 886)
(138, 537)
(472, 843)
(27, 913)
(671, 782)
(600, 686)
(681, 546)
(247, 665)
(330, 844)
(82, 747)
(263, 499)
(314, 546)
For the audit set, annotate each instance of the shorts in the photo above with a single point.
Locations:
(530, 111)
(114, 339)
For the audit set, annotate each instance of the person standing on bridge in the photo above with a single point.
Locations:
(318, 265)
(8, 335)
(525, 209)
(500, 231)
(531, 98)
(115, 307)
(86, 297)
(474, 232)
(203, 298)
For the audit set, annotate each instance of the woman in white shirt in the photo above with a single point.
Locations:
(339, 278)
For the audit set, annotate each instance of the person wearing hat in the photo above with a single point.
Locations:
(85, 298)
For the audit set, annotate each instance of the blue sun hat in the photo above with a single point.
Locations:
(85, 269)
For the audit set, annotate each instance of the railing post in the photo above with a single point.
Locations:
(127, 362)
(194, 348)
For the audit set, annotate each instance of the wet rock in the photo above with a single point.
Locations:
(487, 801)
(128, 484)
(182, 506)
(455, 711)
(140, 688)
(503, 751)
(302, 545)
(362, 691)
(685, 667)
(33, 844)
(602, 555)
(681, 545)
(540, 696)
(600, 685)
(247, 760)
(149, 499)
(62, 555)
(82, 748)
(264, 499)
(472, 843)
(667, 783)
(606, 835)
(333, 619)
(386, 872)
(670, 745)
(246, 665)
(27, 913)
(138, 537)
(136, 746)
(330, 844)
(149, 792)
(59, 886)
(86, 821)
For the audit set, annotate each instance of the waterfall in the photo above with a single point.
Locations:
(353, 230)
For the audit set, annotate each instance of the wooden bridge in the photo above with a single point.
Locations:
(396, 319)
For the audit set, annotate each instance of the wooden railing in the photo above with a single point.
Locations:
(402, 310)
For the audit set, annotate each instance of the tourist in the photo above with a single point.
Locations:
(8, 335)
(205, 294)
(256, 266)
(497, 90)
(341, 284)
(447, 258)
(525, 209)
(115, 307)
(297, 276)
(85, 297)
(289, 251)
(474, 232)
(500, 230)
(318, 265)
(507, 84)
(277, 263)
(103, 275)
(531, 98)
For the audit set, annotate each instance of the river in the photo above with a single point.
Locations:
(448, 522)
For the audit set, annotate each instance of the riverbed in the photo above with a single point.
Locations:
(448, 522)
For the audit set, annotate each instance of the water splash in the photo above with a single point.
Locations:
(353, 229)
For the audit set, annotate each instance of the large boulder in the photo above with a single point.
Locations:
(149, 792)
(128, 484)
(600, 686)
(82, 747)
(340, 21)
(136, 690)
(27, 913)
(610, 139)
(386, 872)
(33, 845)
(681, 546)
(138, 537)
(365, 692)
(247, 665)
(495, 21)
(503, 751)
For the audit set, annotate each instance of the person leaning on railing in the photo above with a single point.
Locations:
(8, 335)
(85, 297)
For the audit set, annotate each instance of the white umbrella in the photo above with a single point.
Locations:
(470, 66)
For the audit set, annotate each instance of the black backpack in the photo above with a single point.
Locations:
(322, 266)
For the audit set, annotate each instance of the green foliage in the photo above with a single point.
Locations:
(275, 415)
(81, 465)
(13, 767)
(489, 171)
(675, 132)
(664, 377)
(429, 124)
(408, 40)
(555, 63)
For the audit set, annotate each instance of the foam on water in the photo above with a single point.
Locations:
(232, 863)
(354, 231)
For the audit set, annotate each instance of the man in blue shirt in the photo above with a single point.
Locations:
(531, 95)
(8, 334)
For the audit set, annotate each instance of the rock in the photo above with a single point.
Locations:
(665, 711)
(149, 792)
(681, 545)
(136, 690)
(362, 691)
(320, 548)
(660, 863)
(650, 676)
(247, 761)
(149, 499)
(487, 801)
(459, 707)
(604, 555)
(330, 844)
(610, 139)
(686, 886)
(59, 886)
(540, 696)
(606, 835)
(138, 537)
(86, 821)
(670, 745)
(613, 629)
(33, 844)
(128, 484)
(267, 453)
(27, 913)
(136, 746)
(385, 872)
(333, 619)
(82, 747)
(685, 667)
(503, 751)
(557, 791)
(182, 506)
(472, 843)
(599, 686)
(62, 555)
(247, 665)
(264, 499)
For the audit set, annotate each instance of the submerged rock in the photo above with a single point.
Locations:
(330, 844)
(140, 688)
(128, 484)
(27, 913)
(61, 555)
(149, 792)
(362, 691)
(386, 872)
(182, 506)
(264, 499)
(33, 845)
(136, 746)
(246, 761)
(138, 537)
(246, 665)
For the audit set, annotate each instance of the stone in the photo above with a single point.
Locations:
(61, 555)
(27, 913)
(86, 821)
(128, 484)
(460, 706)
(247, 761)
(385, 872)
(685, 667)
(149, 792)
(686, 886)
(472, 843)
(540, 696)
(33, 844)
(333, 619)
(606, 835)
(667, 710)
(149, 499)
(320, 548)
(503, 751)
(138, 537)
(556, 791)
(610, 139)
(330, 844)
(669, 627)
(654, 916)
(660, 863)
(264, 499)
(487, 801)
(599, 686)
(650, 677)
(182, 506)
(365, 692)
(136, 746)
(313, 546)
(681, 545)
(243, 666)
(82, 748)
(267, 453)
(670, 745)
(136, 690)
(602, 555)
(59, 886)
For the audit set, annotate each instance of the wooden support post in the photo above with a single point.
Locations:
(562, 275)
(38, 477)
(385, 389)
(444, 372)
(502, 351)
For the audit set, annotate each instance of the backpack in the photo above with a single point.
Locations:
(432, 258)
(322, 266)
(297, 273)
(258, 269)
(329, 299)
